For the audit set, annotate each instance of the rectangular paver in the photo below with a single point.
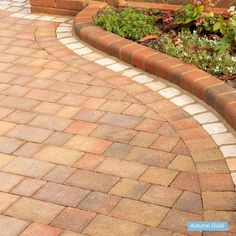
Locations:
(34, 210)
(139, 212)
(28, 167)
(92, 180)
(28, 133)
(61, 194)
(88, 144)
(58, 155)
(116, 227)
(121, 168)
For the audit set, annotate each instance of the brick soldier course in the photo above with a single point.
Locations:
(85, 150)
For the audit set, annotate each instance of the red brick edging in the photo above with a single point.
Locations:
(201, 84)
(58, 7)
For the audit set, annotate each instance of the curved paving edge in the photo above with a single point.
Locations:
(222, 136)
(201, 84)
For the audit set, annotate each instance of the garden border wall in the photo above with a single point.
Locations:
(208, 88)
(58, 7)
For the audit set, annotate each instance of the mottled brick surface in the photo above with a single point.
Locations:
(86, 151)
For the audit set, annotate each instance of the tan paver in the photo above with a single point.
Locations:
(156, 175)
(129, 188)
(59, 155)
(34, 210)
(99, 202)
(28, 167)
(92, 180)
(121, 168)
(88, 144)
(73, 219)
(27, 187)
(161, 195)
(31, 134)
(12, 226)
(6, 200)
(116, 227)
(8, 181)
(40, 229)
(139, 212)
(61, 194)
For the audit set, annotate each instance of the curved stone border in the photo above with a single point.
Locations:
(221, 135)
(201, 84)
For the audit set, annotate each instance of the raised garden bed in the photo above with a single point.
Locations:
(193, 33)
(210, 89)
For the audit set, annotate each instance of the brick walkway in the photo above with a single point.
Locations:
(86, 151)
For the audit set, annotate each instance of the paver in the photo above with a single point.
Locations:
(50, 122)
(112, 133)
(8, 181)
(12, 226)
(183, 163)
(139, 212)
(73, 219)
(9, 145)
(124, 121)
(157, 175)
(28, 167)
(40, 229)
(34, 210)
(28, 149)
(58, 155)
(89, 115)
(161, 195)
(219, 201)
(27, 187)
(59, 173)
(85, 150)
(20, 117)
(4, 159)
(216, 182)
(105, 226)
(81, 127)
(88, 144)
(61, 194)
(29, 133)
(144, 139)
(180, 226)
(58, 138)
(99, 202)
(92, 180)
(129, 188)
(189, 202)
(89, 161)
(186, 181)
(6, 200)
(121, 168)
(150, 157)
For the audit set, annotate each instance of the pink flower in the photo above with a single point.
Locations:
(169, 18)
(199, 22)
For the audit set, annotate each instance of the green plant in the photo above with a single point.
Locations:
(189, 13)
(220, 25)
(129, 23)
(198, 51)
(228, 42)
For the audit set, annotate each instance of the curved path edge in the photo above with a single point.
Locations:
(208, 88)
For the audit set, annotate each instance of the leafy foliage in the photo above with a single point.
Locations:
(187, 14)
(201, 38)
(129, 23)
(199, 51)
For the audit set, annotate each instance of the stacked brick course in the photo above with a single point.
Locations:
(58, 7)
